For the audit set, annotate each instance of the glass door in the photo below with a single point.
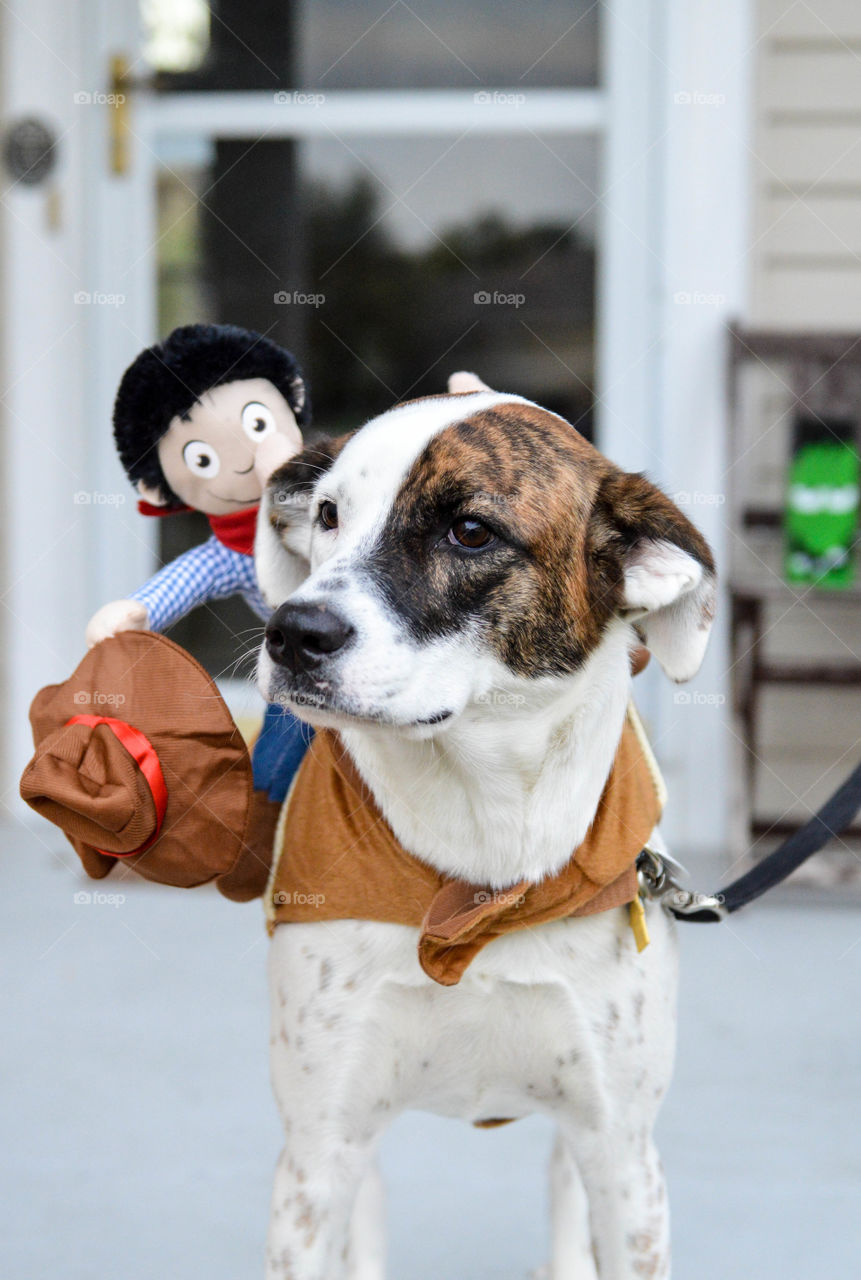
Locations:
(385, 191)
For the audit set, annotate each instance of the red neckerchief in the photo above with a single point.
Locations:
(234, 531)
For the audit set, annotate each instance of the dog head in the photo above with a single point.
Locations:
(463, 547)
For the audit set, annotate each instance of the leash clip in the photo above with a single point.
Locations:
(658, 883)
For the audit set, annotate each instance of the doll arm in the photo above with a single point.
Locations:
(208, 572)
(164, 598)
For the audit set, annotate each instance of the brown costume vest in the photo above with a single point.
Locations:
(337, 858)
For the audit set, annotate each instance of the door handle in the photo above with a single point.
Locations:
(122, 83)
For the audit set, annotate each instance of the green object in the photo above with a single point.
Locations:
(822, 507)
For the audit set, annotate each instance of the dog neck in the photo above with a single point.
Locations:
(509, 790)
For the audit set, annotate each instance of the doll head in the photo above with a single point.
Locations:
(192, 411)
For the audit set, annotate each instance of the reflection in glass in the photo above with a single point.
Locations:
(436, 254)
(373, 44)
(175, 33)
(448, 44)
(385, 264)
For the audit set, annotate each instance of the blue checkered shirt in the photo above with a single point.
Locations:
(208, 572)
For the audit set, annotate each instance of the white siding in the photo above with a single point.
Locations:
(805, 263)
(806, 249)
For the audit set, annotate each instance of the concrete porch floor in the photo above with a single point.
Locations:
(139, 1136)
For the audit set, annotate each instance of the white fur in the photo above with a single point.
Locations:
(513, 783)
(566, 1018)
(671, 597)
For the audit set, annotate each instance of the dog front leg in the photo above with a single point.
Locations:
(367, 1252)
(572, 1257)
(332, 1075)
(313, 1199)
(628, 1210)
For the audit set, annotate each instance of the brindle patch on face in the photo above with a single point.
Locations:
(541, 596)
(532, 480)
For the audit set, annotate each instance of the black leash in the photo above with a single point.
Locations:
(658, 882)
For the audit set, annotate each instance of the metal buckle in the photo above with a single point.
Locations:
(658, 883)
(651, 874)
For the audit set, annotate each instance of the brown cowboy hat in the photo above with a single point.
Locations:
(138, 761)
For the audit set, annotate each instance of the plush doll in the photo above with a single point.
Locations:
(201, 421)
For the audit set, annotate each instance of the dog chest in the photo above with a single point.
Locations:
(542, 1020)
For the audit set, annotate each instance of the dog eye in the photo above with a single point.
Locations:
(328, 515)
(471, 534)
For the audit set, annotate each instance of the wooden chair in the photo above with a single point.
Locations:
(822, 374)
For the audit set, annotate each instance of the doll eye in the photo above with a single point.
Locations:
(258, 421)
(201, 458)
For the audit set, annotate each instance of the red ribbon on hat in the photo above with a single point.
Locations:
(144, 754)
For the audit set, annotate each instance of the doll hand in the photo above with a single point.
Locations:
(119, 615)
(271, 454)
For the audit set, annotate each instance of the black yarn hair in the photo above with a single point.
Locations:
(168, 378)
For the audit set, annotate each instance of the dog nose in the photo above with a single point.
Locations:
(299, 635)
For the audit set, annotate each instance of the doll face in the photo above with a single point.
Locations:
(208, 455)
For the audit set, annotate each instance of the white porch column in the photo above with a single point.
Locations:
(677, 175)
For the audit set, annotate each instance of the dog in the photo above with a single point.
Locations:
(457, 588)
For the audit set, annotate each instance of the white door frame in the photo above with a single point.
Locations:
(58, 464)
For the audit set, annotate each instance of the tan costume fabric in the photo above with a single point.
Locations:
(339, 859)
(83, 779)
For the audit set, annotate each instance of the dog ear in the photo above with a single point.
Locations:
(663, 568)
(463, 381)
(282, 547)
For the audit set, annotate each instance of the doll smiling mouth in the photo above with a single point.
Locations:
(247, 502)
